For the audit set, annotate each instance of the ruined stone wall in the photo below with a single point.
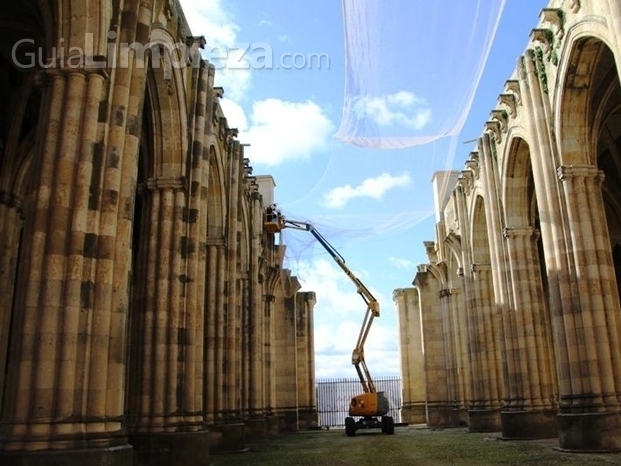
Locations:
(138, 317)
(531, 231)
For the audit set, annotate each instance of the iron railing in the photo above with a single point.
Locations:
(334, 396)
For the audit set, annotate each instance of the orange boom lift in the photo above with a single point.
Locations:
(371, 406)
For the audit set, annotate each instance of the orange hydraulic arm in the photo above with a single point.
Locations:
(357, 357)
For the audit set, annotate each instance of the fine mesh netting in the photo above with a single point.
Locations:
(412, 68)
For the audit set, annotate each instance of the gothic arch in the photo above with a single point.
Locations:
(166, 94)
(76, 19)
(453, 242)
(583, 81)
(518, 185)
(479, 232)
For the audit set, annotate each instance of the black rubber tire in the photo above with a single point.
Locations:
(388, 425)
(350, 426)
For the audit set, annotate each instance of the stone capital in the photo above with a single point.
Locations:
(169, 183)
(480, 267)
(566, 172)
(511, 232)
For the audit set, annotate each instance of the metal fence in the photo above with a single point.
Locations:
(334, 396)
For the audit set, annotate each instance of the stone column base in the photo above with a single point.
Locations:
(440, 415)
(272, 424)
(114, 456)
(414, 414)
(528, 425)
(590, 432)
(255, 429)
(308, 419)
(484, 420)
(227, 438)
(171, 449)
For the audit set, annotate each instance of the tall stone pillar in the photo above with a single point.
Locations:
(256, 413)
(307, 398)
(438, 404)
(167, 425)
(11, 224)
(285, 368)
(66, 375)
(469, 336)
(589, 415)
(412, 355)
(214, 326)
(492, 281)
(449, 309)
(232, 309)
(530, 411)
(484, 413)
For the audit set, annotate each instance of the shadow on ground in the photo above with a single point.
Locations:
(410, 445)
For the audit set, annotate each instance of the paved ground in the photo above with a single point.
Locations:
(410, 445)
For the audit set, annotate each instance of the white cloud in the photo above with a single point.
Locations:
(235, 115)
(277, 130)
(401, 263)
(338, 316)
(281, 130)
(402, 108)
(210, 19)
(374, 188)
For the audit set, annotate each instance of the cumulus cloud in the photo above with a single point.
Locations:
(402, 108)
(401, 263)
(374, 188)
(235, 114)
(338, 316)
(210, 19)
(280, 130)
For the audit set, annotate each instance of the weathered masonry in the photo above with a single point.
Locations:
(146, 317)
(514, 323)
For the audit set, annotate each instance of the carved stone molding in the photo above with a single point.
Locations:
(510, 102)
(170, 183)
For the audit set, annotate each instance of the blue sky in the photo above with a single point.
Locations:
(374, 205)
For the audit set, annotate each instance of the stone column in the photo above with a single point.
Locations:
(449, 305)
(589, 415)
(166, 401)
(270, 302)
(412, 356)
(484, 415)
(531, 410)
(256, 421)
(66, 374)
(11, 223)
(232, 330)
(497, 298)
(194, 252)
(307, 398)
(438, 405)
(286, 366)
(469, 334)
(214, 327)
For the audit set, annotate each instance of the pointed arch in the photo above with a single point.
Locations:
(479, 233)
(585, 78)
(518, 185)
(167, 101)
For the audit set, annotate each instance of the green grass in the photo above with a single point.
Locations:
(411, 445)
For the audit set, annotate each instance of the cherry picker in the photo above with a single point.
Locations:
(370, 407)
